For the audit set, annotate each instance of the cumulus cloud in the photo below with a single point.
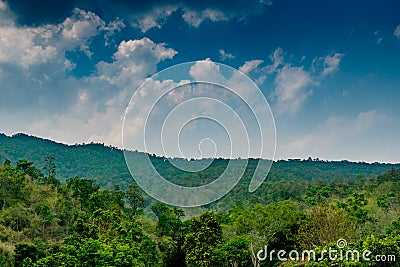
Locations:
(49, 42)
(37, 93)
(133, 58)
(83, 25)
(23, 51)
(397, 31)
(181, 111)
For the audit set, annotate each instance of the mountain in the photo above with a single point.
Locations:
(302, 205)
(106, 165)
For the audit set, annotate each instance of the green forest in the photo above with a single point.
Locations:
(78, 206)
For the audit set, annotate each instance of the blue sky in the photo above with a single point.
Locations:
(329, 70)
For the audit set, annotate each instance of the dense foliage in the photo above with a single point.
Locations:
(47, 219)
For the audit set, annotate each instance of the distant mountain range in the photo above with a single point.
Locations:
(106, 165)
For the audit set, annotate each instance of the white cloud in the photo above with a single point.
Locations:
(37, 93)
(207, 71)
(277, 58)
(154, 18)
(23, 51)
(253, 68)
(260, 73)
(331, 64)
(195, 18)
(338, 138)
(111, 28)
(365, 120)
(378, 37)
(97, 110)
(291, 88)
(191, 102)
(224, 55)
(397, 31)
(82, 26)
(46, 43)
(31, 49)
(293, 84)
(3, 6)
(250, 66)
(155, 15)
(133, 58)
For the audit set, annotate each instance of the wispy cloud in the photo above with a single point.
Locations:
(195, 18)
(337, 138)
(250, 66)
(293, 83)
(291, 88)
(154, 18)
(224, 55)
(378, 37)
(397, 31)
(327, 65)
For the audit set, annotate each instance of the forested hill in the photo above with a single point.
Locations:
(106, 165)
(303, 205)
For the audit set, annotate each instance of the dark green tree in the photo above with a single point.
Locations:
(82, 189)
(22, 251)
(27, 167)
(134, 198)
(50, 173)
(235, 253)
(204, 235)
(169, 220)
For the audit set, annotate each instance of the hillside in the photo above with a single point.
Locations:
(76, 224)
(106, 165)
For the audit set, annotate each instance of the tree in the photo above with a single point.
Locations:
(394, 229)
(355, 205)
(134, 198)
(235, 252)
(169, 220)
(50, 173)
(266, 225)
(27, 167)
(23, 251)
(118, 202)
(82, 189)
(204, 235)
(171, 230)
(7, 162)
(324, 224)
(58, 259)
